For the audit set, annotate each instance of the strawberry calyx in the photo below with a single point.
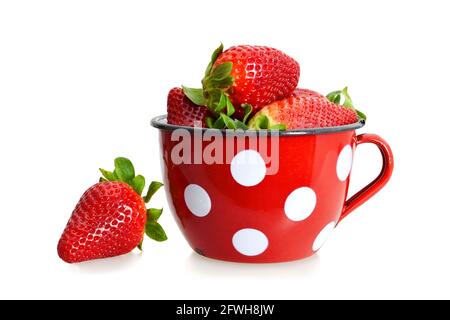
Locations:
(124, 172)
(263, 121)
(214, 94)
(341, 97)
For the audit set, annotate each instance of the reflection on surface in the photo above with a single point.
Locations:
(197, 264)
(109, 265)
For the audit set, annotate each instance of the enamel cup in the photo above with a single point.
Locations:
(262, 196)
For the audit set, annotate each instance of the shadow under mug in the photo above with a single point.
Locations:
(274, 197)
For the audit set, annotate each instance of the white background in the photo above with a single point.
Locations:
(80, 81)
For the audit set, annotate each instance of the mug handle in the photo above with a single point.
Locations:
(379, 182)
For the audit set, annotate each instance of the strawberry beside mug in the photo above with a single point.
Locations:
(262, 196)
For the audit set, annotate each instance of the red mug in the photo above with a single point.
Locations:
(275, 197)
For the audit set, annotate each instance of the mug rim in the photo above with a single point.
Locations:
(160, 122)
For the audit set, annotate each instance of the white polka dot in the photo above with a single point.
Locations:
(323, 236)
(250, 242)
(344, 163)
(248, 168)
(300, 204)
(197, 200)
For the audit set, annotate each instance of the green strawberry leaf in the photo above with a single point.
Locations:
(240, 125)
(154, 214)
(222, 71)
(361, 115)
(109, 176)
(214, 57)
(337, 99)
(195, 95)
(154, 231)
(213, 99)
(138, 184)
(209, 122)
(216, 83)
(230, 107)
(280, 127)
(347, 100)
(222, 102)
(262, 122)
(210, 84)
(229, 123)
(154, 186)
(102, 180)
(124, 169)
(333, 95)
(338, 96)
(217, 53)
(219, 123)
(124, 172)
(247, 111)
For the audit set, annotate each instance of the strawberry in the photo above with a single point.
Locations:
(261, 75)
(110, 219)
(306, 92)
(305, 109)
(182, 111)
(241, 80)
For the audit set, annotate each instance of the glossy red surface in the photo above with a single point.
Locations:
(386, 171)
(305, 161)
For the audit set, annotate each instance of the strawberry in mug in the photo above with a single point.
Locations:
(238, 209)
(255, 169)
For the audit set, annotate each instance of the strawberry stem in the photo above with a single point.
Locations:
(214, 57)
(124, 172)
(195, 95)
(343, 95)
(152, 188)
(124, 169)
(154, 214)
(138, 184)
(154, 231)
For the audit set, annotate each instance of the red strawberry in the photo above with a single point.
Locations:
(306, 92)
(182, 111)
(111, 218)
(303, 111)
(261, 75)
(241, 80)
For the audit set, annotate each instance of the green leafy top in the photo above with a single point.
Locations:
(124, 172)
(215, 91)
(214, 94)
(343, 96)
(261, 121)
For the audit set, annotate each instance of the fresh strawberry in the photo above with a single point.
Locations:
(110, 219)
(261, 75)
(182, 111)
(241, 80)
(306, 92)
(303, 110)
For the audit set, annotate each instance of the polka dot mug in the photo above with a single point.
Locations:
(259, 196)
